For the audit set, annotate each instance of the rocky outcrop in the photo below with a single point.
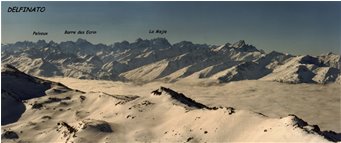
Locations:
(178, 97)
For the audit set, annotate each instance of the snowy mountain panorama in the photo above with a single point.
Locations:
(155, 91)
(158, 60)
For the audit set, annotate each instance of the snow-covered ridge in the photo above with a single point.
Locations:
(23, 86)
(156, 59)
(178, 97)
(73, 116)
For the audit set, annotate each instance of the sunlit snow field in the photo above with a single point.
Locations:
(315, 103)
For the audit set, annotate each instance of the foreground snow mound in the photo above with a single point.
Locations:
(293, 120)
(168, 117)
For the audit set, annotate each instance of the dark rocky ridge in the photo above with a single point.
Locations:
(179, 97)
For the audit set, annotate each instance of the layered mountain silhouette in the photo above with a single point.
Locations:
(157, 59)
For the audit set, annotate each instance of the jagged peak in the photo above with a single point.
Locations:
(330, 54)
(156, 42)
(52, 42)
(239, 44)
(275, 53)
(183, 44)
(294, 120)
(307, 59)
(41, 41)
(123, 44)
(222, 47)
(80, 40)
(138, 40)
(227, 44)
(24, 43)
(160, 41)
(141, 42)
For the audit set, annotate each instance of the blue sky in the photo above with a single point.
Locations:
(291, 27)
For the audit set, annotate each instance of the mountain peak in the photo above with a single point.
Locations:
(52, 42)
(242, 46)
(156, 42)
(41, 42)
(138, 40)
(330, 53)
(123, 44)
(160, 42)
(183, 44)
(80, 40)
(239, 44)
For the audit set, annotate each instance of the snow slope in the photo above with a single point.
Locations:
(162, 116)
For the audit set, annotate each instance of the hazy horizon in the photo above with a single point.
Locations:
(290, 27)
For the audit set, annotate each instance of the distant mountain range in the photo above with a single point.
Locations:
(157, 59)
